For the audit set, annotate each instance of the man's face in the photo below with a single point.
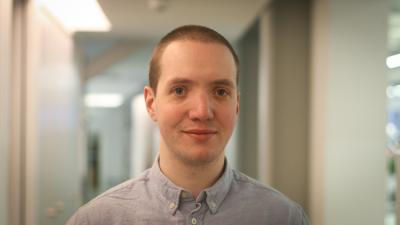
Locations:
(197, 103)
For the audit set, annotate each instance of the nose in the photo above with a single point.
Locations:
(201, 108)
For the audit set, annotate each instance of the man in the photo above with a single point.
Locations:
(194, 99)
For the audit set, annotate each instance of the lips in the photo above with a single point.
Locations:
(200, 134)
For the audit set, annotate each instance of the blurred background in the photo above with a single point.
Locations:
(320, 101)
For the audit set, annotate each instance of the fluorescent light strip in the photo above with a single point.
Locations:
(103, 100)
(78, 15)
(393, 91)
(393, 61)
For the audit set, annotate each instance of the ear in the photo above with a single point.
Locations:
(238, 103)
(149, 98)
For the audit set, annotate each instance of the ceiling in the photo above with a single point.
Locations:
(135, 20)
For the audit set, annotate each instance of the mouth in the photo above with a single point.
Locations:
(200, 134)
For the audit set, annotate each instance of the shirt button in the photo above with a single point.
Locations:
(194, 221)
(172, 205)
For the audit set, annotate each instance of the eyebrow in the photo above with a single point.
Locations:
(223, 82)
(179, 81)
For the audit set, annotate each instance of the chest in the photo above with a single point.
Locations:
(195, 214)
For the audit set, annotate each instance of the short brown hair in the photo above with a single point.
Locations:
(187, 32)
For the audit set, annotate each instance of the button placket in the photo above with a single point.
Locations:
(198, 207)
(193, 220)
(197, 214)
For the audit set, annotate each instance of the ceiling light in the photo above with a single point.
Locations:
(157, 5)
(393, 91)
(103, 100)
(77, 15)
(391, 130)
(393, 61)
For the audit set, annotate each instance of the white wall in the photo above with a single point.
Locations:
(53, 123)
(142, 143)
(348, 112)
(5, 98)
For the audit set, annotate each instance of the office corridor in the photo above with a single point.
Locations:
(319, 95)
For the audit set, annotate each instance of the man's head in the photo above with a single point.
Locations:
(197, 100)
(188, 32)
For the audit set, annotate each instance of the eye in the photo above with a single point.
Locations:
(221, 92)
(179, 91)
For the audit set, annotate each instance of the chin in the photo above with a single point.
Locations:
(201, 156)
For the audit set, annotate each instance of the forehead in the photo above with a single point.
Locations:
(197, 60)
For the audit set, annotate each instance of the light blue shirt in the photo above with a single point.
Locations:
(152, 199)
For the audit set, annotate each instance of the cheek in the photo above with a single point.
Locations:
(228, 119)
(168, 115)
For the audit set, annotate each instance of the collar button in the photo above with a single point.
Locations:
(172, 205)
(213, 205)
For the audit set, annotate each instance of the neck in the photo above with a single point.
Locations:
(193, 178)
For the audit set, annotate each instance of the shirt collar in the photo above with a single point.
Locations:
(170, 193)
(166, 189)
(217, 193)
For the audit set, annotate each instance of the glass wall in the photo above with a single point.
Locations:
(393, 125)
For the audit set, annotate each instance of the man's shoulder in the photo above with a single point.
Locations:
(254, 189)
(248, 182)
(265, 200)
(111, 202)
(126, 190)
